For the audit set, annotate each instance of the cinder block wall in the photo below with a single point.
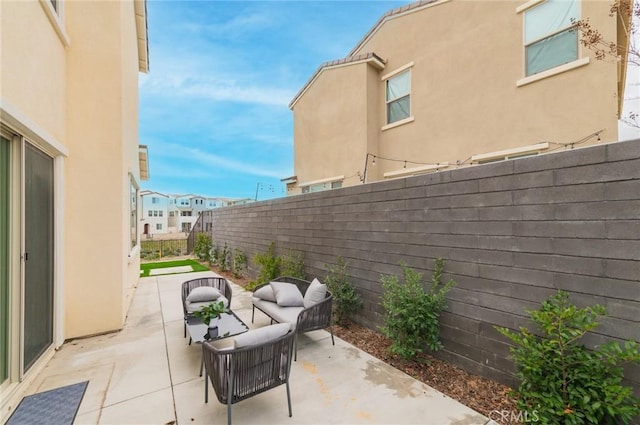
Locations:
(512, 233)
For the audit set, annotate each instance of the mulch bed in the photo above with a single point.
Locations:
(481, 394)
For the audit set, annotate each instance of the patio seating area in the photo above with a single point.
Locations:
(148, 374)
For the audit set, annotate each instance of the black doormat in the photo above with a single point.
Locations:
(54, 407)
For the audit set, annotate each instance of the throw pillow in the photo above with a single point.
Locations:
(202, 294)
(316, 292)
(265, 293)
(287, 294)
(261, 335)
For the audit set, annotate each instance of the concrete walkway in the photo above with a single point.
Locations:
(148, 374)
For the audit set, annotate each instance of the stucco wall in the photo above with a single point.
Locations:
(342, 142)
(467, 58)
(512, 233)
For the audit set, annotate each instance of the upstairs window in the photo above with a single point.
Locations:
(399, 97)
(550, 38)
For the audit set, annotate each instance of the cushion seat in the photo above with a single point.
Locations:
(277, 313)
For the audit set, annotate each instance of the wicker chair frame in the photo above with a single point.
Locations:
(313, 318)
(219, 283)
(241, 373)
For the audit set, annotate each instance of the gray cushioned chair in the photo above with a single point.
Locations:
(219, 283)
(240, 373)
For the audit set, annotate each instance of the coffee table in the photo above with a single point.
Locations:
(228, 325)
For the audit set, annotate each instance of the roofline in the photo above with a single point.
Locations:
(142, 31)
(392, 14)
(623, 38)
(370, 57)
(152, 192)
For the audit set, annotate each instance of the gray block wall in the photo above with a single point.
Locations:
(512, 233)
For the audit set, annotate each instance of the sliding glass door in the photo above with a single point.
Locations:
(38, 254)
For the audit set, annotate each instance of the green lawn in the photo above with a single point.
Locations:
(145, 268)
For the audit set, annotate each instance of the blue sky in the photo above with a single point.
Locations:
(214, 108)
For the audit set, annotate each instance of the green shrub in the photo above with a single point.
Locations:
(202, 247)
(223, 259)
(346, 300)
(215, 256)
(412, 314)
(292, 264)
(560, 379)
(269, 266)
(239, 264)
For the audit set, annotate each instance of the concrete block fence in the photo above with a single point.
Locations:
(512, 233)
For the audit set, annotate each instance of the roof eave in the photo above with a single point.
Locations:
(392, 14)
(142, 32)
(370, 58)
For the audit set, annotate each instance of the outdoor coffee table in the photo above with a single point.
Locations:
(228, 325)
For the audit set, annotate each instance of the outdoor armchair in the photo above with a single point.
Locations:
(219, 283)
(260, 363)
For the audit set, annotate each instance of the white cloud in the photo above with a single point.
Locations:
(213, 161)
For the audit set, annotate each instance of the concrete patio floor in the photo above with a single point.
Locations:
(148, 374)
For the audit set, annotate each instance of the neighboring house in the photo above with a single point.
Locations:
(184, 215)
(180, 214)
(154, 210)
(68, 148)
(452, 83)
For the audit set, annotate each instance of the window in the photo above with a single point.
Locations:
(150, 213)
(133, 211)
(155, 200)
(550, 38)
(170, 213)
(159, 226)
(398, 97)
(155, 213)
(319, 187)
(185, 213)
(160, 213)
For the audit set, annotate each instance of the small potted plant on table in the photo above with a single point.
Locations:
(210, 315)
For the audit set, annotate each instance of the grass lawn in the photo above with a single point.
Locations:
(145, 268)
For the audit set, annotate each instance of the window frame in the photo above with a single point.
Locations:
(399, 98)
(134, 203)
(558, 68)
(407, 68)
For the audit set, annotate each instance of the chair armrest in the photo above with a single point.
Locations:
(318, 316)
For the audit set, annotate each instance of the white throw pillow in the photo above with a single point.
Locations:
(316, 292)
(202, 294)
(261, 335)
(287, 294)
(265, 293)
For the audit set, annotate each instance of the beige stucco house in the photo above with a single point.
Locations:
(451, 83)
(70, 168)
